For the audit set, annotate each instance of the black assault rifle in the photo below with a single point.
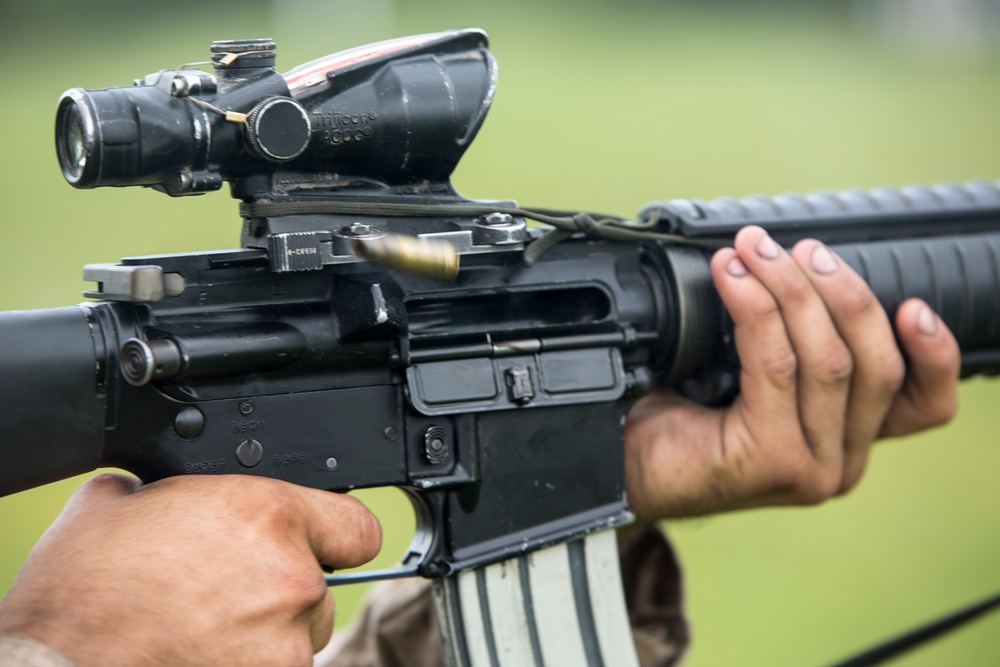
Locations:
(342, 346)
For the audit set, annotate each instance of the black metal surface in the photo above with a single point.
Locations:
(52, 406)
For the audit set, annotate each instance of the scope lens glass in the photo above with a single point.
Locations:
(74, 137)
(74, 141)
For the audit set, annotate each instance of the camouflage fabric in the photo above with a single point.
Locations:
(19, 651)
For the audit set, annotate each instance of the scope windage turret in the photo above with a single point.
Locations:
(392, 113)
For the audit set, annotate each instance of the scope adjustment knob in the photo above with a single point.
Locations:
(278, 129)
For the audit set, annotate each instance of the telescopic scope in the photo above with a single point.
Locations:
(398, 112)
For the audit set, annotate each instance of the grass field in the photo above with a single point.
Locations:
(601, 109)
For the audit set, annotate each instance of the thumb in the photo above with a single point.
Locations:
(103, 488)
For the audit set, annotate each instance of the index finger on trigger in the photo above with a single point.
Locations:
(342, 532)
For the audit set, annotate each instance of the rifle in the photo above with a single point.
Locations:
(494, 398)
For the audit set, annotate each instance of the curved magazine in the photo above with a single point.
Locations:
(558, 607)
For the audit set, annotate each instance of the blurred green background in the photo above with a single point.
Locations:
(606, 106)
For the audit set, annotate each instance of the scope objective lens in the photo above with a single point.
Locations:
(75, 137)
(76, 150)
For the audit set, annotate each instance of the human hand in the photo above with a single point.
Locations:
(821, 378)
(221, 570)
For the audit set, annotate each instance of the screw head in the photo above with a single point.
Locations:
(179, 87)
(436, 448)
(496, 218)
(332, 463)
(246, 407)
(359, 229)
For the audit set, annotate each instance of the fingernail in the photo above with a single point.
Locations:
(767, 248)
(927, 322)
(823, 260)
(736, 268)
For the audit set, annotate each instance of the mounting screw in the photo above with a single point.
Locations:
(496, 218)
(359, 229)
(436, 449)
(332, 463)
(246, 407)
(179, 87)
